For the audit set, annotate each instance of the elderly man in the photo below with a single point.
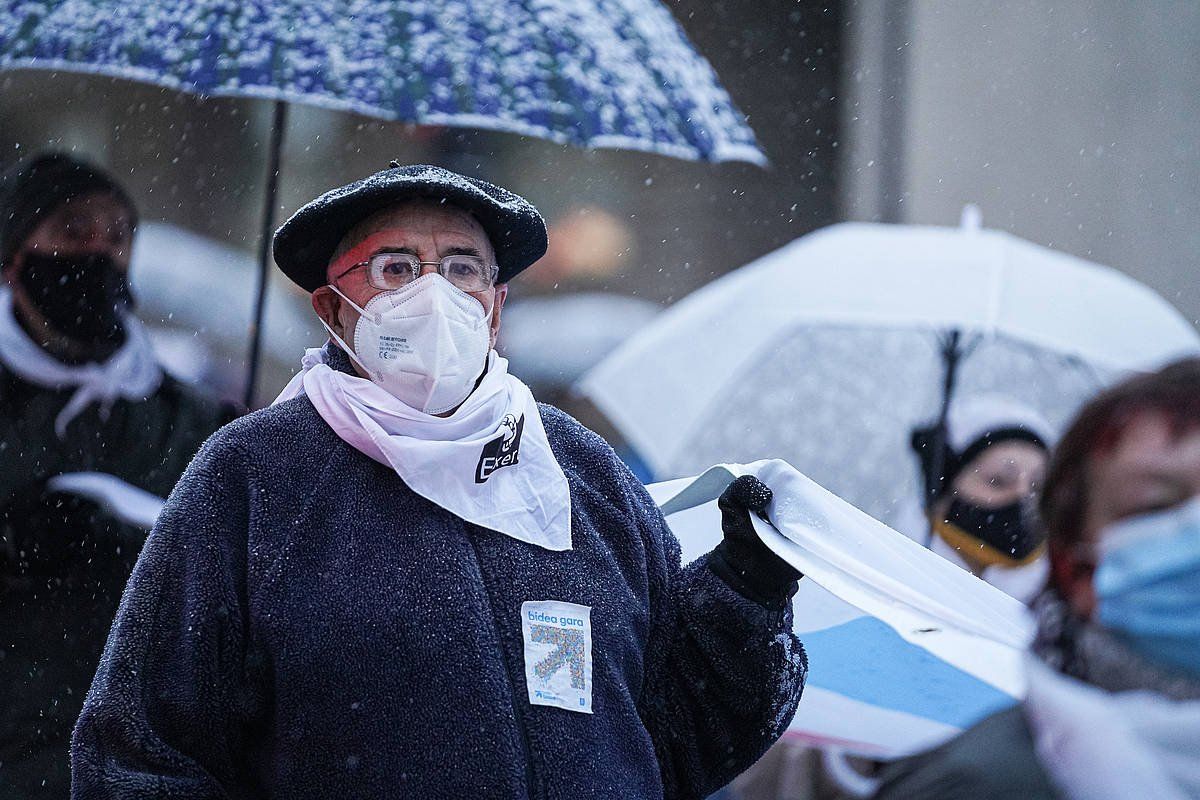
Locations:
(80, 392)
(407, 579)
(1113, 705)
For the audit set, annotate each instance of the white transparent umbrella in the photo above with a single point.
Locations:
(829, 351)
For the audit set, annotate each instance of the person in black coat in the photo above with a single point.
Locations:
(413, 580)
(80, 392)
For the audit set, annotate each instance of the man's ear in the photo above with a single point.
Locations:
(497, 306)
(327, 305)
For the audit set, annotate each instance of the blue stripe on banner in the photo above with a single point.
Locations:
(867, 661)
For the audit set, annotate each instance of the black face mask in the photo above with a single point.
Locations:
(82, 296)
(1007, 530)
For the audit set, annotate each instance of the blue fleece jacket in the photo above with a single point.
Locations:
(301, 624)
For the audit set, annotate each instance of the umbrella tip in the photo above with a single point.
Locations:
(971, 219)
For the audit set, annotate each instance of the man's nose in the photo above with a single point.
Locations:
(428, 268)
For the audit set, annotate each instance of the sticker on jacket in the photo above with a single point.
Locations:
(558, 654)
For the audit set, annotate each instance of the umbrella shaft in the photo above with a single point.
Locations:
(279, 122)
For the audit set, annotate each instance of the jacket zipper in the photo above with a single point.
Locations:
(518, 718)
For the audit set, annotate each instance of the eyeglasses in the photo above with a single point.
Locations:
(389, 271)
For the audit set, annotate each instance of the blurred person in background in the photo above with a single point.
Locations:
(980, 493)
(1113, 702)
(80, 392)
(407, 578)
(981, 518)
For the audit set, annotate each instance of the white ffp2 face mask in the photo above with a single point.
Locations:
(425, 344)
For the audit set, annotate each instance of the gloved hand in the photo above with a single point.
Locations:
(742, 560)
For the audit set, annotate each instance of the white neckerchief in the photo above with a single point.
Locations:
(132, 372)
(1099, 745)
(489, 462)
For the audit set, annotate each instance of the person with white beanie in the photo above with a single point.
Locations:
(980, 490)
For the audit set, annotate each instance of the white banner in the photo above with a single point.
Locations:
(905, 648)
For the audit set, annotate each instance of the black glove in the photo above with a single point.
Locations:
(742, 560)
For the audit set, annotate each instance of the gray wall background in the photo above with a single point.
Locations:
(1073, 124)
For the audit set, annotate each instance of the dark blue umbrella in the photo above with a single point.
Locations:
(594, 73)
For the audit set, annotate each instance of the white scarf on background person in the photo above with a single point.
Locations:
(1099, 745)
(489, 462)
(132, 373)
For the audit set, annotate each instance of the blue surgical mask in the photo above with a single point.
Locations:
(1148, 585)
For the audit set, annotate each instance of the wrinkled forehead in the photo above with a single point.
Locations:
(410, 223)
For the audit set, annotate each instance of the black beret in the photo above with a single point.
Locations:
(34, 188)
(304, 245)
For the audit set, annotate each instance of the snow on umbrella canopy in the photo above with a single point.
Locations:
(594, 73)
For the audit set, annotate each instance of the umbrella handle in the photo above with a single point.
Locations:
(278, 124)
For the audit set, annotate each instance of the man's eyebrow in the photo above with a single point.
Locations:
(464, 251)
(412, 251)
(461, 250)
